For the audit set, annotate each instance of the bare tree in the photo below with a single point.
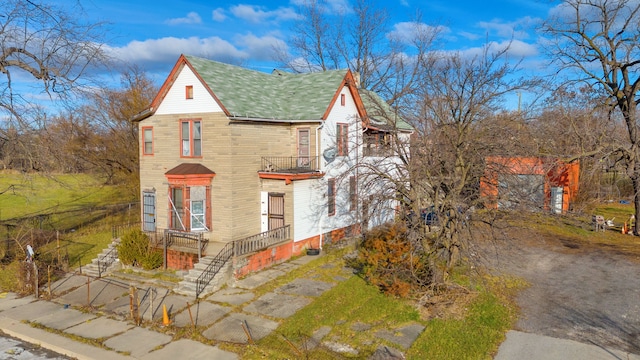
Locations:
(44, 49)
(459, 97)
(99, 136)
(598, 43)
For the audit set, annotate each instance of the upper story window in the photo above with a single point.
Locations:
(343, 99)
(147, 141)
(191, 138)
(331, 196)
(353, 195)
(188, 90)
(377, 144)
(342, 132)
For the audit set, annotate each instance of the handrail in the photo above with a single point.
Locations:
(261, 241)
(238, 248)
(213, 268)
(110, 257)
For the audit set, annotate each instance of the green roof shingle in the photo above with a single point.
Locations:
(247, 93)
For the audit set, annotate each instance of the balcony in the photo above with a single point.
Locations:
(290, 168)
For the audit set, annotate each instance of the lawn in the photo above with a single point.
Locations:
(74, 222)
(352, 304)
(25, 195)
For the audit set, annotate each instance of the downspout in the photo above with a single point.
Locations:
(319, 168)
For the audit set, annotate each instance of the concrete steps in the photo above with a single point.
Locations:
(92, 269)
(189, 283)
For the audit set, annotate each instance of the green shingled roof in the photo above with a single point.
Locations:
(279, 95)
(380, 114)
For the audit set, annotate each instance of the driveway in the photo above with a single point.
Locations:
(578, 292)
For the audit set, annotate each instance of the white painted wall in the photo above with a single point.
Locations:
(175, 101)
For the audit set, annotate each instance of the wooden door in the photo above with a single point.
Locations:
(276, 210)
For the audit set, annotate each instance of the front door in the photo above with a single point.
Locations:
(303, 147)
(149, 211)
(276, 210)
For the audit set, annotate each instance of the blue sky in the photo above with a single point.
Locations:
(152, 34)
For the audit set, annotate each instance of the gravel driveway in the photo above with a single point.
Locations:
(577, 292)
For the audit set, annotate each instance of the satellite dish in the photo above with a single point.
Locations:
(329, 154)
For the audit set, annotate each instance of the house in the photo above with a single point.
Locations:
(535, 183)
(237, 155)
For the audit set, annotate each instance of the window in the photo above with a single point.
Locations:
(191, 135)
(177, 208)
(331, 196)
(342, 99)
(353, 197)
(197, 215)
(189, 207)
(342, 131)
(188, 91)
(147, 141)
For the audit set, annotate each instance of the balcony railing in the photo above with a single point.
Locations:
(290, 164)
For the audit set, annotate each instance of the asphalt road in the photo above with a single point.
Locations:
(577, 292)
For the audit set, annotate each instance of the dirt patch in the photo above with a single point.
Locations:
(578, 290)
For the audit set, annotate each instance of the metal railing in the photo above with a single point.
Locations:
(118, 230)
(213, 268)
(290, 164)
(184, 239)
(106, 260)
(261, 241)
(241, 247)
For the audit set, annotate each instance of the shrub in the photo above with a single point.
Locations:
(388, 260)
(135, 249)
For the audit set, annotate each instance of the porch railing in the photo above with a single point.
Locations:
(290, 164)
(238, 248)
(261, 241)
(188, 240)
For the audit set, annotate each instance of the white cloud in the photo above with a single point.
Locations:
(517, 29)
(191, 18)
(404, 3)
(260, 48)
(332, 6)
(218, 15)
(407, 31)
(515, 48)
(256, 14)
(168, 49)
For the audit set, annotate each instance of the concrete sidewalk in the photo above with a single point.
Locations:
(520, 345)
(64, 322)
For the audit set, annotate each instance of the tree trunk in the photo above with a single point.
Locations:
(635, 181)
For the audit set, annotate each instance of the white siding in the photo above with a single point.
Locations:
(175, 101)
(306, 207)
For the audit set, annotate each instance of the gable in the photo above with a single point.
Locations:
(175, 101)
(249, 94)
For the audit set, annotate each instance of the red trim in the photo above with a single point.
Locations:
(191, 180)
(350, 83)
(343, 99)
(170, 80)
(188, 92)
(289, 178)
